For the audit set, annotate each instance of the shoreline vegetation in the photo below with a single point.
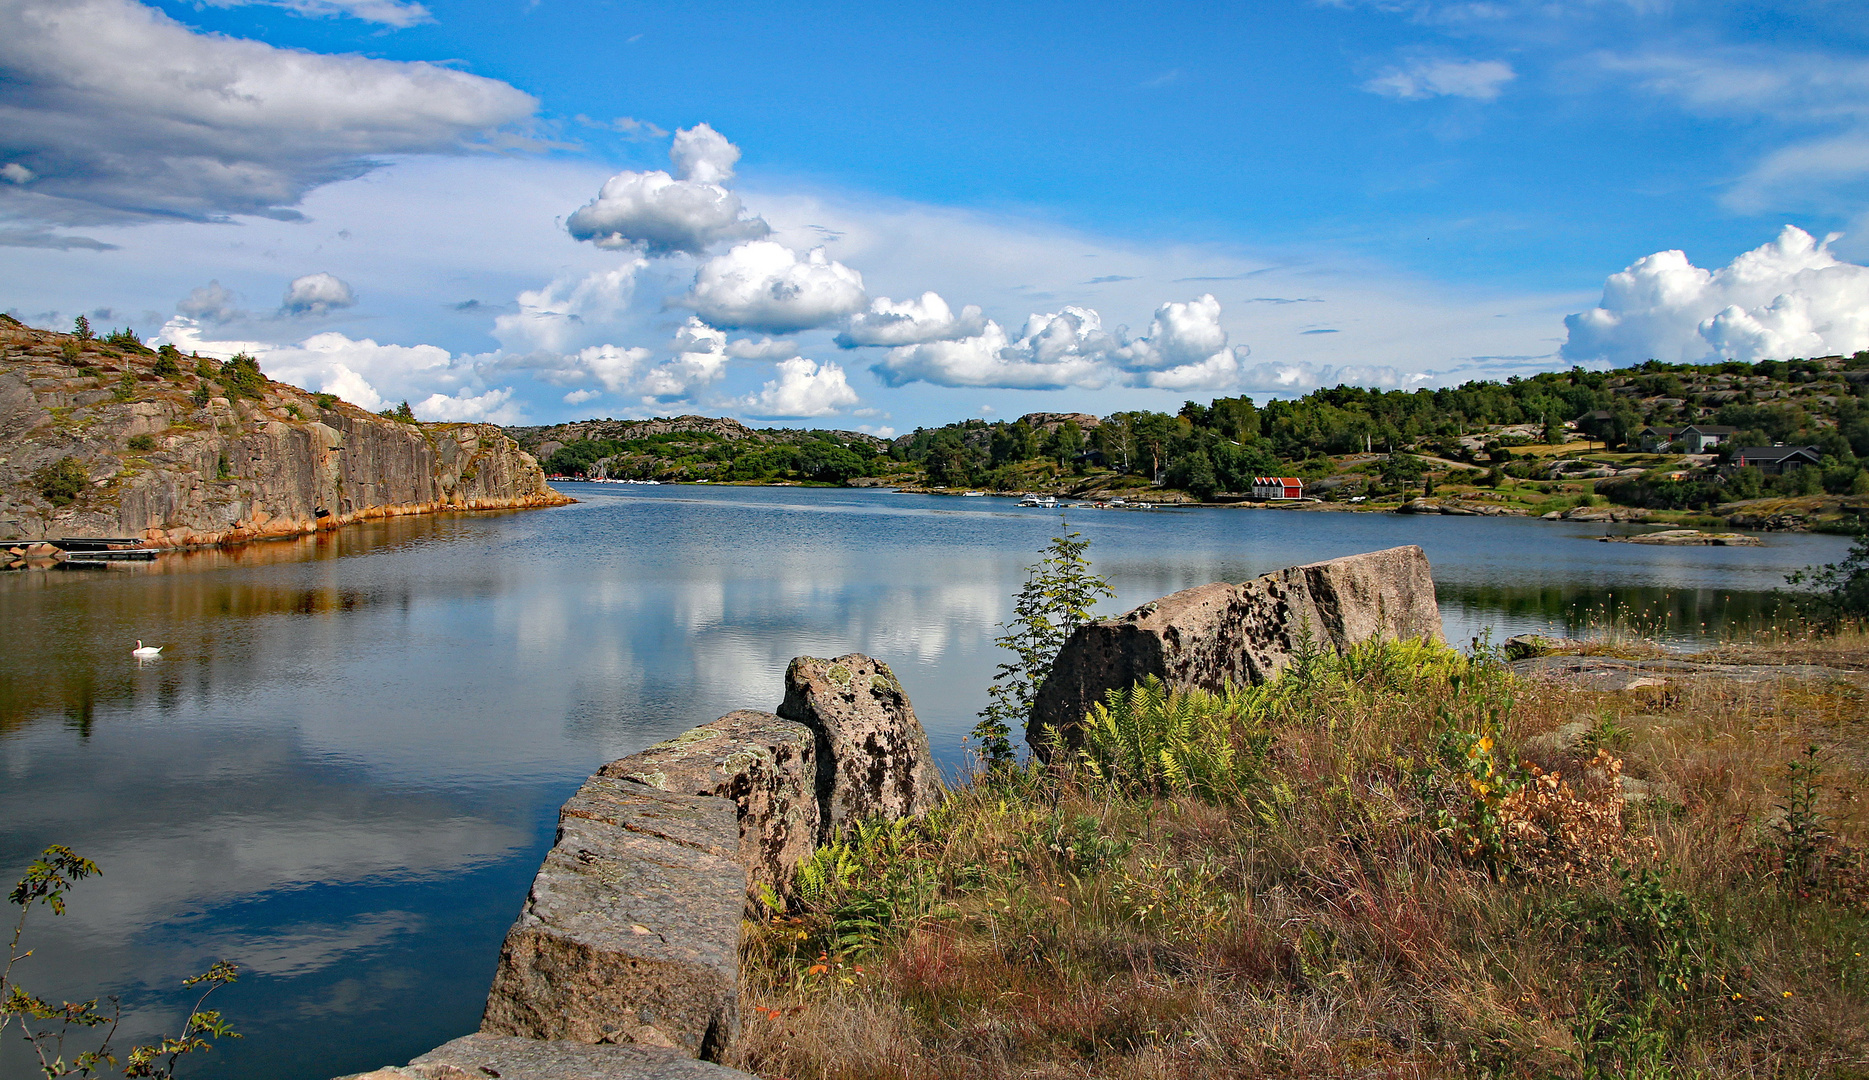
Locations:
(1400, 861)
(1579, 445)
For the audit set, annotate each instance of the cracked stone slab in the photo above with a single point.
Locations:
(505, 1057)
(766, 765)
(631, 932)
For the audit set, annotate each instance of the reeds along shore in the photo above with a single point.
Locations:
(1403, 862)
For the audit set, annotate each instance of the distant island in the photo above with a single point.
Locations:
(1658, 442)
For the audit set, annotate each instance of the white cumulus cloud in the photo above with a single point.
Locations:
(489, 407)
(1185, 348)
(316, 294)
(1481, 80)
(659, 213)
(15, 173)
(765, 286)
(201, 126)
(367, 373)
(1790, 297)
(212, 302)
(569, 312)
(699, 359)
(910, 322)
(579, 397)
(803, 389)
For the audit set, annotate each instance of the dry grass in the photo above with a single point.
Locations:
(1352, 912)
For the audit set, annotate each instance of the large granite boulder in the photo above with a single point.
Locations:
(631, 932)
(873, 755)
(767, 766)
(477, 1057)
(1213, 635)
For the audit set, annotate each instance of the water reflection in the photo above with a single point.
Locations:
(344, 768)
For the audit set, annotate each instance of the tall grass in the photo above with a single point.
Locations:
(1381, 864)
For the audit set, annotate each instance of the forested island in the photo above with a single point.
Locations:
(1565, 442)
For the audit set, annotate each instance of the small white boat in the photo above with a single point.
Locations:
(973, 494)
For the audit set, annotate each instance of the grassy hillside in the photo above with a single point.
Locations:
(1402, 863)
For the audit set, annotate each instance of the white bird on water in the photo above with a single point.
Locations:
(146, 652)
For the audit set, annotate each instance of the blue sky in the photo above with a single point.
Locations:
(1144, 204)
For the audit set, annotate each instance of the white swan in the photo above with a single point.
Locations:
(146, 652)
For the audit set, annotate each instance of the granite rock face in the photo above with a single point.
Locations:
(1212, 635)
(179, 460)
(873, 755)
(631, 932)
(477, 1057)
(767, 766)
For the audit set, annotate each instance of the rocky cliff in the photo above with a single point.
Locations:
(109, 438)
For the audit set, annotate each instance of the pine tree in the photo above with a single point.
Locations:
(1060, 591)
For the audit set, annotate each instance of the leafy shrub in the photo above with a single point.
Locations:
(168, 362)
(401, 412)
(325, 401)
(126, 388)
(204, 368)
(142, 442)
(241, 377)
(62, 481)
(202, 395)
(46, 1026)
(71, 353)
(127, 340)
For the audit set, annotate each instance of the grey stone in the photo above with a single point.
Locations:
(1524, 646)
(766, 765)
(1219, 634)
(873, 755)
(631, 932)
(506, 1057)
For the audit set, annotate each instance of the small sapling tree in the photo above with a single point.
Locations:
(46, 1026)
(1060, 591)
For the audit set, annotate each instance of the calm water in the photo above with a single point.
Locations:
(347, 765)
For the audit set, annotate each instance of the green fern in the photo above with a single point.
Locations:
(1149, 740)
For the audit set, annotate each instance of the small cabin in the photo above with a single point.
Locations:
(1277, 487)
(1777, 460)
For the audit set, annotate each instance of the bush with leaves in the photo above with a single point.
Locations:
(1838, 590)
(62, 481)
(47, 1026)
(241, 376)
(1059, 592)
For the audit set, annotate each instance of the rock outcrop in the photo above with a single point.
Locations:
(1213, 635)
(176, 451)
(1687, 538)
(480, 1056)
(767, 766)
(631, 932)
(873, 755)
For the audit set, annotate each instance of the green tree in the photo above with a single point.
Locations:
(81, 326)
(1059, 592)
(62, 481)
(1839, 589)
